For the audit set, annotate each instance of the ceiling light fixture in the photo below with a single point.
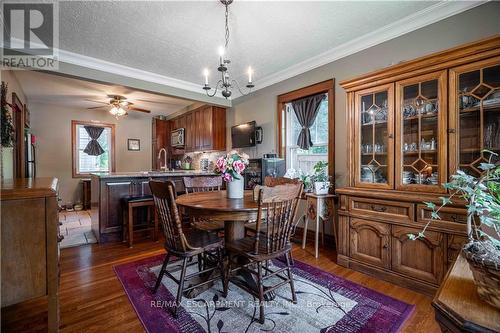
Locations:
(117, 111)
(225, 83)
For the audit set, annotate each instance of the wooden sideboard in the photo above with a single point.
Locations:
(410, 127)
(30, 250)
(458, 306)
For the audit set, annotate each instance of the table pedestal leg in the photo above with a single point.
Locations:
(234, 230)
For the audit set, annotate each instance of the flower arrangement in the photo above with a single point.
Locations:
(7, 126)
(231, 165)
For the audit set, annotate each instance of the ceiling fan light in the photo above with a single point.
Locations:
(121, 112)
(114, 110)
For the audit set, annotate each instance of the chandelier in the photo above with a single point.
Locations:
(225, 83)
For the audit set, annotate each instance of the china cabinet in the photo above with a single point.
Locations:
(410, 127)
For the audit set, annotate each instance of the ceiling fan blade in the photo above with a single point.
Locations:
(97, 107)
(94, 101)
(154, 102)
(133, 108)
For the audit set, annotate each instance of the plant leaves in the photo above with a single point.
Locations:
(430, 205)
(220, 324)
(435, 216)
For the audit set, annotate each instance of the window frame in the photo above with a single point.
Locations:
(74, 148)
(327, 87)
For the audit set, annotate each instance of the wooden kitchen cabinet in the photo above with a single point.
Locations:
(370, 242)
(410, 127)
(160, 139)
(205, 129)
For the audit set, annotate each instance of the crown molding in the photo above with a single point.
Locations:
(420, 19)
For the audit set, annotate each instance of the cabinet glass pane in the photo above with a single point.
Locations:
(420, 111)
(479, 117)
(373, 138)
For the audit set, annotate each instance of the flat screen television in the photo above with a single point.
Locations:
(243, 135)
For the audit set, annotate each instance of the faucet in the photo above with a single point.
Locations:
(164, 167)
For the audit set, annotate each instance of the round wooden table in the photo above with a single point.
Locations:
(234, 212)
(216, 206)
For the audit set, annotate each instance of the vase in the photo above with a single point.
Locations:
(321, 188)
(235, 188)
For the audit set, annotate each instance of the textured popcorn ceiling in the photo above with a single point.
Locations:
(75, 93)
(178, 39)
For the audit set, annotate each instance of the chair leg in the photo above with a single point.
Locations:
(222, 272)
(267, 267)
(125, 224)
(227, 276)
(260, 285)
(155, 230)
(181, 286)
(162, 272)
(130, 226)
(323, 222)
(304, 236)
(290, 277)
(291, 259)
(200, 262)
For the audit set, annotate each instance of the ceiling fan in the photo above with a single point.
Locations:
(119, 106)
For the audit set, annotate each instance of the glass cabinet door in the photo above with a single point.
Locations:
(374, 133)
(475, 115)
(420, 133)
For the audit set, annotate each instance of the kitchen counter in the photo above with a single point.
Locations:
(109, 188)
(139, 174)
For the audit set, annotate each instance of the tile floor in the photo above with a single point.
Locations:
(76, 228)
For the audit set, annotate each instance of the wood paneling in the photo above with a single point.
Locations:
(369, 242)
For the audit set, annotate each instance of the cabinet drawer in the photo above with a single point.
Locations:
(452, 219)
(390, 210)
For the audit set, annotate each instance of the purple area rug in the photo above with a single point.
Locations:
(326, 303)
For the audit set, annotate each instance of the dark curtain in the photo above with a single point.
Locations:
(93, 147)
(306, 110)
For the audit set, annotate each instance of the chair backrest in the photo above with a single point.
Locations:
(277, 205)
(275, 181)
(202, 184)
(164, 196)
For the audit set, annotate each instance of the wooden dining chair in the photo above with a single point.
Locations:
(276, 206)
(186, 246)
(204, 184)
(250, 227)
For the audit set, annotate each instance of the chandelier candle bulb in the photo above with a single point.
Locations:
(249, 74)
(205, 73)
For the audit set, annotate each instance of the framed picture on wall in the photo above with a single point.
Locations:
(134, 144)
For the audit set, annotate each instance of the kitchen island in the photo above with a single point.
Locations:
(108, 189)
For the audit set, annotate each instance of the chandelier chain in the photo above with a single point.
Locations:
(227, 26)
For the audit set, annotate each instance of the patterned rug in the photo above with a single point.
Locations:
(326, 303)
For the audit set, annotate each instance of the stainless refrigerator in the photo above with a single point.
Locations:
(30, 155)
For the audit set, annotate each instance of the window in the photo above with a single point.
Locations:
(84, 164)
(322, 130)
(304, 160)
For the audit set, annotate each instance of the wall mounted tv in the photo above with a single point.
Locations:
(243, 135)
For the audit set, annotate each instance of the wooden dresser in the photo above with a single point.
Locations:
(30, 250)
(410, 127)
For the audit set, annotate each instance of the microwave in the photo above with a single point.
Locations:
(177, 138)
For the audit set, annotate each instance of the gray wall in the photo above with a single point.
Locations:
(477, 23)
(52, 126)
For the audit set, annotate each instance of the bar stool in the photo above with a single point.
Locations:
(129, 203)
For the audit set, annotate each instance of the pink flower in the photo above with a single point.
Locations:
(227, 177)
(238, 166)
(221, 164)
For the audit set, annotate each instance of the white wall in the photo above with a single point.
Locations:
(52, 126)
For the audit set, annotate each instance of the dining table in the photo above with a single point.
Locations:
(216, 206)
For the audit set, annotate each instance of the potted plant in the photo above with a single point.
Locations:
(231, 167)
(7, 129)
(320, 178)
(483, 205)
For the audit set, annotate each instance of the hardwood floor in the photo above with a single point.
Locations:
(93, 300)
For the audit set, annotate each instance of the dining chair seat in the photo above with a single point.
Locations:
(202, 241)
(246, 248)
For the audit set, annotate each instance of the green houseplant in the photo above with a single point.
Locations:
(482, 251)
(320, 178)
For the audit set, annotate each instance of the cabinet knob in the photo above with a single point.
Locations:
(451, 130)
(391, 136)
(385, 246)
